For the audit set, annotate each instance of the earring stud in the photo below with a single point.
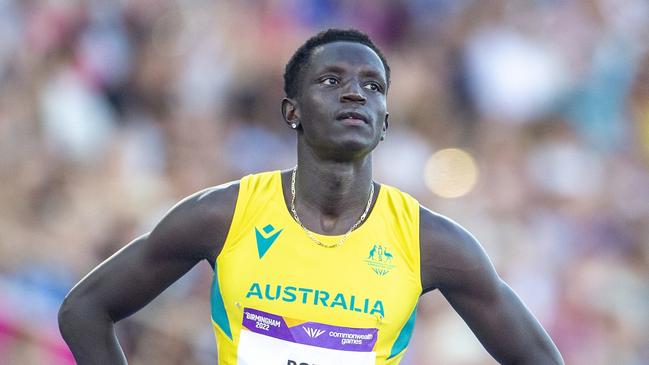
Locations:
(293, 125)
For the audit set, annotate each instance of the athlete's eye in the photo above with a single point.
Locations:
(373, 86)
(329, 81)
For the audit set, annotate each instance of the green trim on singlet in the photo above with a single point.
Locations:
(219, 315)
(404, 336)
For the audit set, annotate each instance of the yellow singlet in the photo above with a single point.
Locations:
(280, 299)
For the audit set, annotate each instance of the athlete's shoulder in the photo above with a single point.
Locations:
(216, 204)
(402, 205)
(197, 225)
(394, 191)
(210, 202)
(446, 248)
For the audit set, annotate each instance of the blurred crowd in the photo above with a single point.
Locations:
(111, 111)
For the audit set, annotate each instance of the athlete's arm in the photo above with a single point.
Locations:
(195, 229)
(455, 263)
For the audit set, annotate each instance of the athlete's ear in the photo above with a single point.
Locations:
(290, 113)
(384, 130)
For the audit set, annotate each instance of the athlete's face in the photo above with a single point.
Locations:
(341, 105)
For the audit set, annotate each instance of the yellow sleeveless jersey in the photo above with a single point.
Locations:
(279, 298)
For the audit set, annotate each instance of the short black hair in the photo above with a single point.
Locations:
(301, 57)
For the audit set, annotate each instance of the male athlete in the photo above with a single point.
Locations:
(317, 264)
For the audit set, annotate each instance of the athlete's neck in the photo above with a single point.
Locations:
(331, 195)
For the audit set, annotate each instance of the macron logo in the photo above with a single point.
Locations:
(312, 332)
(265, 238)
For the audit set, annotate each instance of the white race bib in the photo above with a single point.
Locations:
(268, 339)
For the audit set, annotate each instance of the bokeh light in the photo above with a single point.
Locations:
(451, 173)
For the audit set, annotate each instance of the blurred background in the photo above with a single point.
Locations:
(525, 121)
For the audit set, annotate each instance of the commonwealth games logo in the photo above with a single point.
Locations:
(312, 332)
(380, 260)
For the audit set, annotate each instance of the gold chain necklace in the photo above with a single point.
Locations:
(309, 233)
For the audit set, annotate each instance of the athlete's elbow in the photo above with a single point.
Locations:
(77, 314)
(66, 316)
(70, 314)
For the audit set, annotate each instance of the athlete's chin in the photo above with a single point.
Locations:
(349, 149)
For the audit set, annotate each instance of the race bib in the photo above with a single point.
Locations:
(270, 339)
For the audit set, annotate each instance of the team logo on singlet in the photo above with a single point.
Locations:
(380, 260)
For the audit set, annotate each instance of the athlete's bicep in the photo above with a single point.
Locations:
(446, 250)
(193, 230)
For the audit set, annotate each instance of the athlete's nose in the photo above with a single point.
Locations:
(353, 93)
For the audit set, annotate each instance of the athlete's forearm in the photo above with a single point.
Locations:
(545, 358)
(506, 328)
(536, 347)
(544, 351)
(89, 333)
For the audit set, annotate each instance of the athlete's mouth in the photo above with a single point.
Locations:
(352, 115)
